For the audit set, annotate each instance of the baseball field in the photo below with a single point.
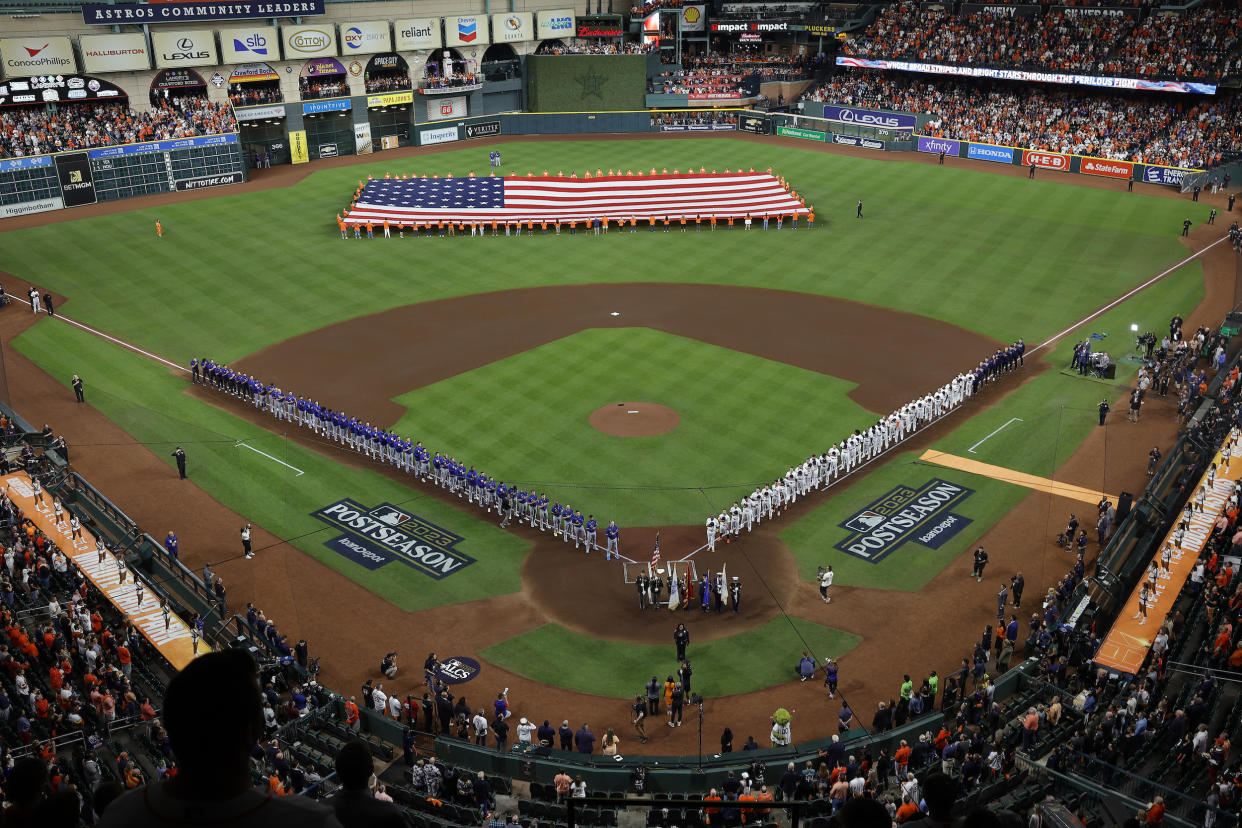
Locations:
(766, 346)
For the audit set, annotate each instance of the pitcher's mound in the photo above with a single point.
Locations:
(634, 419)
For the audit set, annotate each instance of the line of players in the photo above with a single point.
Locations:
(510, 501)
(819, 471)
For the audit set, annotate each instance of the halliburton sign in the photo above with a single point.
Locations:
(1046, 160)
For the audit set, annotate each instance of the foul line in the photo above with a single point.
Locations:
(1030, 481)
(994, 433)
(1126, 296)
(108, 337)
(242, 444)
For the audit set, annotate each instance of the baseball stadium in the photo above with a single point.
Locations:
(725, 413)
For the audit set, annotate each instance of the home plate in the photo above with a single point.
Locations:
(615, 313)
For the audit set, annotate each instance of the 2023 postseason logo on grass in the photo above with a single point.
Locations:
(904, 514)
(375, 537)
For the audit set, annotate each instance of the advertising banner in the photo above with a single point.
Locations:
(53, 88)
(365, 38)
(483, 129)
(1046, 160)
(25, 208)
(99, 14)
(809, 134)
(600, 25)
(328, 150)
(260, 113)
(751, 123)
(714, 96)
(163, 146)
(171, 639)
(298, 151)
(514, 27)
(308, 41)
(29, 163)
(1027, 75)
(390, 99)
(185, 184)
(184, 48)
(466, 30)
(114, 53)
(554, 23)
(76, 183)
(333, 105)
(757, 26)
(250, 44)
(177, 79)
(990, 152)
(413, 34)
(1000, 10)
(1107, 168)
(1164, 175)
(37, 56)
(856, 141)
(319, 67)
(693, 18)
(443, 109)
(939, 145)
(363, 145)
(869, 117)
(441, 135)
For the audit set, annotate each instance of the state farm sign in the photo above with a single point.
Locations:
(1107, 167)
(1046, 160)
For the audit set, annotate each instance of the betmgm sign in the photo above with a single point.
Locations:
(374, 537)
(905, 514)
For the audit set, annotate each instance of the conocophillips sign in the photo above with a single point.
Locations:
(184, 48)
(552, 23)
(869, 117)
(38, 56)
(308, 41)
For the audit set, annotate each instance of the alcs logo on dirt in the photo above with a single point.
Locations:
(374, 537)
(905, 514)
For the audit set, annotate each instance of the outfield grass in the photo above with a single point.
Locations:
(150, 404)
(730, 435)
(1058, 411)
(1004, 256)
(554, 655)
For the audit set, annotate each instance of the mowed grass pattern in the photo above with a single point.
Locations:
(561, 657)
(744, 419)
(1003, 256)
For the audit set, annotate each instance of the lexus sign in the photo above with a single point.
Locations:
(184, 48)
(1046, 160)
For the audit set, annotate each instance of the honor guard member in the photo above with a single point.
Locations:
(643, 587)
(612, 533)
(589, 534)
(735, 594)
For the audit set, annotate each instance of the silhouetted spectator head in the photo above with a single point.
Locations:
(104, 794)
(940, 792)
(213, 712)
(62, 809)
(354, 766)
(863, 813)
(25, 783)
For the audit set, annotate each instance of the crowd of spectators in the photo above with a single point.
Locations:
(389, 81)
(715, 82)
(434, 80)
(249, 94)
(38, 130)
(694, 118)
(648, 6)
(1153, 128)
(310, 89)
(769, 11)
(754, 62)
(594, 47)
(1200, 44)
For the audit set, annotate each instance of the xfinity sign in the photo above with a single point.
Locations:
(868, 117)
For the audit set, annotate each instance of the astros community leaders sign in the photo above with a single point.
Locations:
(374, 537)
(906, 513)
(106, 13)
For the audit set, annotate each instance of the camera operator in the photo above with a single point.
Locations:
(389, 665)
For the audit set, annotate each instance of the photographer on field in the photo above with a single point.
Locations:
(389, 666)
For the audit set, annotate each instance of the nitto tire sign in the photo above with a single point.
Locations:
(907, 513)
(76, 184)
(1046, 160)
(201, 182)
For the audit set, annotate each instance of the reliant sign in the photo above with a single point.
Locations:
(907, 513)
(372, 538)
(413, 34)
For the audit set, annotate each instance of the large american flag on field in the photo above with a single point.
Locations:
(557, 198)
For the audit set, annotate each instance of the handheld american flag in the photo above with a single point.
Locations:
(615, 198)
(655, 553)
